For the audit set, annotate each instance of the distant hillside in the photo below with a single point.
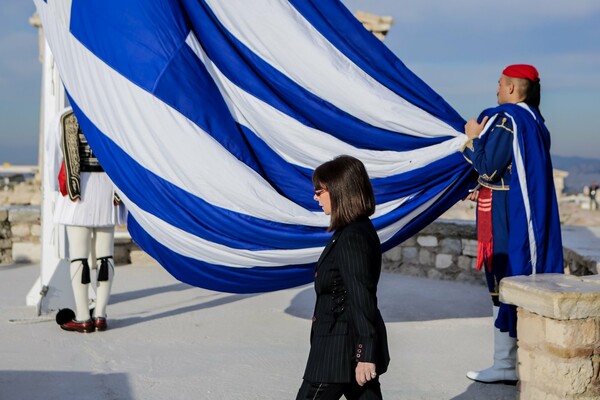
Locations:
(582, 171)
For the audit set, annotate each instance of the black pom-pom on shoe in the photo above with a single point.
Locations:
(64, 315)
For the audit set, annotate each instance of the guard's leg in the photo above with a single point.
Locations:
(505, 359)
(79, 248)
(104, 242)
(504, 369)
(505, 346)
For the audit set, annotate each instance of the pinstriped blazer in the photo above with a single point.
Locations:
(347, 325)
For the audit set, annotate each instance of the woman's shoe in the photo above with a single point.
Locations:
(79, 326)
(100, 324)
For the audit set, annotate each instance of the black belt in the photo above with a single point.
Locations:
(91, 168)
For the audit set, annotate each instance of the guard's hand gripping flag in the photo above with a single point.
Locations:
(210, 116)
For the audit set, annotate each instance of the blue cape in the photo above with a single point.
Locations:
(535, 244)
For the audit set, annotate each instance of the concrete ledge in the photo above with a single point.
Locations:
(556, 296)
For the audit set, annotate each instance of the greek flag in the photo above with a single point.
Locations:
(210, 116)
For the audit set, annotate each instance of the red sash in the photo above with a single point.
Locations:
(485, 239)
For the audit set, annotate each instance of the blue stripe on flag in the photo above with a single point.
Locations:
(218, 277)
(145, 43)
(255, 76)
(188, 212)
(337, 24)
(133, 38)
(453, 194)
(160, 62)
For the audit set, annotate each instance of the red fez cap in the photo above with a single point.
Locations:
(522, 71)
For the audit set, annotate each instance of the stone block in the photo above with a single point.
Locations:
(20, 230)
(20, 198)
(5, 244)
(562, 377)
(524, 364)
(6, 257)
(465, 263)
(572, 334)
(469, 247)
(410, 254)
(4, 230)
(24, 214)
(426, 258)
(390, 266)
(427, 241)
(434, 274)
(26, 252)
(3, 214)
(531, 329)
(411, 241)
(556, 296)
(443, 261)
(451, 246)
(36, 230)
(36, 199)
(394, 254)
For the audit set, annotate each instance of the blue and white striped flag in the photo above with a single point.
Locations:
(210, 116)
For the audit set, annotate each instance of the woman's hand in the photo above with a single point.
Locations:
(365, 371)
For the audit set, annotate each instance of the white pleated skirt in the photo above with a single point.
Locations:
(95, 208)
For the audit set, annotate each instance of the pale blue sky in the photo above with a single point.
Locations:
(458, 47)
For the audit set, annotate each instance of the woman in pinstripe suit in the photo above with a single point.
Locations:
(348, 338)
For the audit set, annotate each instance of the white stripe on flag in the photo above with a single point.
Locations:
(177, 144)
(379, 106)
(306, 146)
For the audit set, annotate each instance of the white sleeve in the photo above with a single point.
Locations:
(53, 154)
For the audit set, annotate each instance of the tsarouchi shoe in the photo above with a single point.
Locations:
(79, 326)
(100, 324)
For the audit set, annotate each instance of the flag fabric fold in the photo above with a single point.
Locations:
(210, 116)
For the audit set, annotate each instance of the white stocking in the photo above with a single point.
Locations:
(79, 249)
(104, 246)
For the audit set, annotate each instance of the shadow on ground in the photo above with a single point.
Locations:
(403, 299)
(63, 385)
(138, 294)
(492, 392)
(123, 322)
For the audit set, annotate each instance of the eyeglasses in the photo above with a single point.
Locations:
(319, 192)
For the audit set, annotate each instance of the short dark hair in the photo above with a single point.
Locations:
(530, 91)
(349, 187)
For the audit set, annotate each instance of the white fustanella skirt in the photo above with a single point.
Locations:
(95, 208)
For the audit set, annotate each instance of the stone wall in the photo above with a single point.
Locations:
(5, 238)
(23, 234)
(577, 264)
(20, 234)
(447, 249)
(443, 250)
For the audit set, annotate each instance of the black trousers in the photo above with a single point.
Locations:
(334, 391)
